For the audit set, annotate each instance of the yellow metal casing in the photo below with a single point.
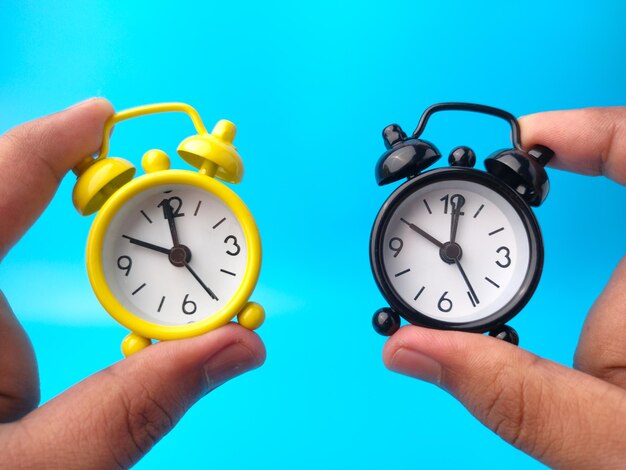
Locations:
(106, 184)
(98, 181)
(153, 330)
(214, 153)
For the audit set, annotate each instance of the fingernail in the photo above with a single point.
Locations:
(415, 364)
(81, 103)
(228, 363)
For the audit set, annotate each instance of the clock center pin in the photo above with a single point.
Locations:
(180, 255)
(450, 252)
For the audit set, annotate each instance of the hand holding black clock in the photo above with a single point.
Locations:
(567, 418)
(111, 419)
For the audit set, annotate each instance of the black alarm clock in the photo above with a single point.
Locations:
(457, 248)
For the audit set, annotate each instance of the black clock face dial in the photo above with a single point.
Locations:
(455, 248)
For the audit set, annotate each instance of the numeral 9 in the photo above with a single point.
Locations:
(124, 263)
(396, 244)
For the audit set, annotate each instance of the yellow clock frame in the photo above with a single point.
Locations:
(106, 186)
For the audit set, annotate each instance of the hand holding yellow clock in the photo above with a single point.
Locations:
(146, 394)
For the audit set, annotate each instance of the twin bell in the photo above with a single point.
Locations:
(521, 170)
(213, 154)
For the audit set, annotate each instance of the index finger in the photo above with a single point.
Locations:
(35, 156)
(591, 141)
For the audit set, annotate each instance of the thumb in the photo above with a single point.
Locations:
(113, 418)
(558, 415)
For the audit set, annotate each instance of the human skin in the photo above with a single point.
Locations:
(111, 419)
(565, 417)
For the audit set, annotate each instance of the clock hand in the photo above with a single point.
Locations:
(471, 289)
(204, 286)
(169, 215)
(424, 234)
(148, 245)
(456, 212)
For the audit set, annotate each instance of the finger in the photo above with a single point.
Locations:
(558, 415)
(35, 156)
(602, 349)
(114, 417)
(19, 380)
(590, 141)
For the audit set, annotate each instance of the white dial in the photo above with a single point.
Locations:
(456, 271)
(174, 254)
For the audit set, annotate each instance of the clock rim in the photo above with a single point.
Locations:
(95, 242)
(529, 221)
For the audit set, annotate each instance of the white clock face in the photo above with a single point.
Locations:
(461, 280)
(174, 254)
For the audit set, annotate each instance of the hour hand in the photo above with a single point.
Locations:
(424, 234)
(456, 212)
(168, 213)
(150, 246)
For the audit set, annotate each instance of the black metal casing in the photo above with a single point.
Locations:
(493, 321)
(516, 174)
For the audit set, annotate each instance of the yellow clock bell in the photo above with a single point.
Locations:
(172, 253)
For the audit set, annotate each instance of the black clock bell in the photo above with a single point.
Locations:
(457, 248)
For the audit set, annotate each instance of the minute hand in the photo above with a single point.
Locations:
(424, 234)
(467, 282)
(150, 246)
(204, 286)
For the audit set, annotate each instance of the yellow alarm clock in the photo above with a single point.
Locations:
(173, 253)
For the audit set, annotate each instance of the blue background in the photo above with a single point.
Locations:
(310, 87)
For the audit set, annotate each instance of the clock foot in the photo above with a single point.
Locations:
(506, 333)
(134, 343)
(386, 322)
(252, 316)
